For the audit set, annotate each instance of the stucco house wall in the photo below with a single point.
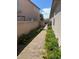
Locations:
(28, 16)
(56, 18)
(27, 9)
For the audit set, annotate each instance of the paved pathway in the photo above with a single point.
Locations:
(34, 49)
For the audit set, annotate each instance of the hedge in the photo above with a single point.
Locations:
(24, 38)
(51, 45)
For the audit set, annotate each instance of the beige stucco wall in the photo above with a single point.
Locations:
(56, 19)
(57, 26)
(26, 26)
(27, 9)
(32, 17)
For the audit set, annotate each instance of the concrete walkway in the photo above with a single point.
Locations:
(34, 49)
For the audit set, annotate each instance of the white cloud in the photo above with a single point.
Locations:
(46, 12)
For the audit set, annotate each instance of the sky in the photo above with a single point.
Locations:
(45, 6)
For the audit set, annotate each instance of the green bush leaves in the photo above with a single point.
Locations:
(24, 38)
(51, 45)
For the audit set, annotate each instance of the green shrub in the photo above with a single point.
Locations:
(24, 38)
(51, 45)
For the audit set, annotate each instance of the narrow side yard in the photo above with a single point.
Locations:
(34, 48)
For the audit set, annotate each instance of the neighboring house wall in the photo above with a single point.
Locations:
(28, 16)
(27, 9)
(56, 18)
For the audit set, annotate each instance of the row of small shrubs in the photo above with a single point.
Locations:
(24, 38)
(51, 45)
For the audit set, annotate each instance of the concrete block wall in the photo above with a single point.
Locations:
(26, 26)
